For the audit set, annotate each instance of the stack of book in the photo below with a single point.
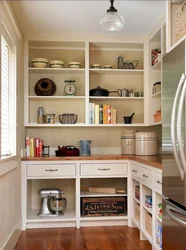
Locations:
(34, 147)
(102, 114)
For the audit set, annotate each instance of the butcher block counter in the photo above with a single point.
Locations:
(154, 161)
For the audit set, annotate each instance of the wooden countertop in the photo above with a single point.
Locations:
(154, 161)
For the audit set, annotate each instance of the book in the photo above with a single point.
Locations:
(90, 113)
(31, 147)
(105, 114)
(109, 114)
(93, 113)
(37, 147)
(27, 142)
(96, 114)
(100, 114)
(114, 116)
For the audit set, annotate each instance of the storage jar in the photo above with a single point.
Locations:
(146, 143)
(128, 142)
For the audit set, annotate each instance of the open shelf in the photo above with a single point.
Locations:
(136, 223)
(147, 235)
(156, 95)
(58, 70)
(159, 219)
(88, 194)
(148, 209)
(157, 66)
(138, 201)
(56, 97)
(97, 218)
(116, 71)
(116, 98)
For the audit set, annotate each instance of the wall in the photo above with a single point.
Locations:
(10, 182)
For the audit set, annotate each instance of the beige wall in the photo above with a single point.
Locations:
(10, 182)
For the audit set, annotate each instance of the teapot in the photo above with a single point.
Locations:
(123, 92)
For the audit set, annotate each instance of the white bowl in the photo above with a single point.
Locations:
(39, 62)
(74, 65)
(96, 66)
(108, 66)
(56, 64)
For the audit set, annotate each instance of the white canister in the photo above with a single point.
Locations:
(128, 142)
(146, 143)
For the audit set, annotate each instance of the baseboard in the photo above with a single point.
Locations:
(13, 238)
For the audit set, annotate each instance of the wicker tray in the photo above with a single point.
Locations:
(180, 21)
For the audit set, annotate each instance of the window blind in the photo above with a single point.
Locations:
(7, 101)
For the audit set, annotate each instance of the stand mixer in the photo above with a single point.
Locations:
(52, 203)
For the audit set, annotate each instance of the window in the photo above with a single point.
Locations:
(8, 97)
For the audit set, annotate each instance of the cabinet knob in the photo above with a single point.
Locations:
(144, 175)
(104, 169)
(51, 170)
(134, 171)
(159, 182)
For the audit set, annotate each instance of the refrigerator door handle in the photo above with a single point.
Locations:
(173, 134)
(179, 130)
(170, 210)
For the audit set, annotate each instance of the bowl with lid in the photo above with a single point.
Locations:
(96, 66)
(56, 64)
(107, 66)
(39, 62)
(74, 65)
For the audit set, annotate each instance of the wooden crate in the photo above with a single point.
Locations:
(103, 206)
(137, 211)
(148, 223)
(180, 21)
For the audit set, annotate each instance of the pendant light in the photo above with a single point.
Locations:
(111, 20)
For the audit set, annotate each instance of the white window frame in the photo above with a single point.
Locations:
(12, 101)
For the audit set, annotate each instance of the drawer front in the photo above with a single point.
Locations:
(135, 171)
(158, 181)
(49, 170)
(146, 177)
(104, 169)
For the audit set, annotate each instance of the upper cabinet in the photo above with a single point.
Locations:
(64, 87)
(157, 49)
(176, 23)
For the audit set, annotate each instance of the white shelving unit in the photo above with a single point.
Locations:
(86, 78)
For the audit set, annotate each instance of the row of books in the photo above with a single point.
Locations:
(102, 114)
(34, 147)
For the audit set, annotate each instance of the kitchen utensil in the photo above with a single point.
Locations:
(51, 202)
(74, 65)
(68, 118)
(70, 88)
(131, 93)
(128, 119)
(139, 94)
(56, 64)
(84, 147)
(120, 62)
(107, 67)
(130, 65)
(100, 92)
(45, 87)
(96, 66)
(49, 118)
(67, 151)
(107, 190)
(123, 92)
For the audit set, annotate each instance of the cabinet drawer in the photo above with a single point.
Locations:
(51, 170)
(135, 171)
(146, 177)
(104, 169)
(158, 181)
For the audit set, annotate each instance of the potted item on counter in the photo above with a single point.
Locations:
(157, 116)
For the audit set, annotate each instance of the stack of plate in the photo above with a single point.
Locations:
(74, 65)
(56, 64)
(39, 62)
(96, 66)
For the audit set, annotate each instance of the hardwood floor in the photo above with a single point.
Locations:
(87, 238)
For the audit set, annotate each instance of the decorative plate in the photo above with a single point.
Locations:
(45, 87)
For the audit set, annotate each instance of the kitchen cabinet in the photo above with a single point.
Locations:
(175, 22)
(146, 202)
(157, 49)
(86, 78)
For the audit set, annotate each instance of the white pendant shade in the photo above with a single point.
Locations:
(112, 22)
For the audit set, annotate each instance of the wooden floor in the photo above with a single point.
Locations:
(87, 238)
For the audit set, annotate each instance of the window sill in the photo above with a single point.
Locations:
(8, 163)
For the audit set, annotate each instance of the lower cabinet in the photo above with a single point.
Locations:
(146, 203)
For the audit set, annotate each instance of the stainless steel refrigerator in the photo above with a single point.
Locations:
(174, 149)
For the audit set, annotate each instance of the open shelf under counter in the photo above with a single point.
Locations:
(115, 98)
(159, 219)
(102, 218)
(147, 235)
(158, 94)
(156, 66)
(69, 215)
(148, 209)
(56, 97)
(136, 223)
(57, 125)
(116, 71)
(88, 194)
(136, 200)
(57, 70)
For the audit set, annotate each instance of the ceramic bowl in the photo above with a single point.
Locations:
(39, 62)
(49, 118)
(74, 65)
(56, 64)
(108, 67)
(96, 66)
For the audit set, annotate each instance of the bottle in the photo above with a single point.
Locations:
(40, 113)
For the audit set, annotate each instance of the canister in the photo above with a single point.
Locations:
(146, 143)
(128, 142)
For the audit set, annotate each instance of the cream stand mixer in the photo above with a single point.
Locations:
(52, 203)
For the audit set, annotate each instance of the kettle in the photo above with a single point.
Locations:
(123, 92)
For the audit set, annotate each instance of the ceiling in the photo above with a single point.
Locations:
(83, 16)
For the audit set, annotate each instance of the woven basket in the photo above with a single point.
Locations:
(180, 21)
